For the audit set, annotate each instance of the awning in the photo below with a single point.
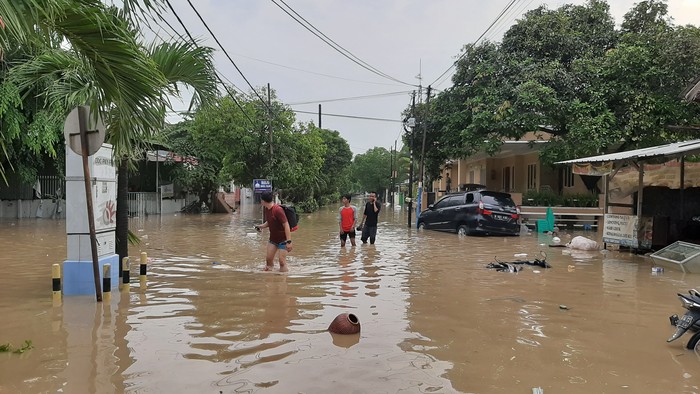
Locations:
(692, 92)
(158, 155)
(164, 155)
(675, 149)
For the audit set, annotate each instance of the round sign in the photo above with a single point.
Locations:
(95, 129)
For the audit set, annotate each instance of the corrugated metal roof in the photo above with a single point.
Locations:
(669, 150)
(692, 92)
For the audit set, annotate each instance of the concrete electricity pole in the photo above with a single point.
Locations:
(412, 125)
(422, 155)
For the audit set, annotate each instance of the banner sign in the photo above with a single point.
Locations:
(262, 185)
(596, 169)
(621, 229)
(167, 191)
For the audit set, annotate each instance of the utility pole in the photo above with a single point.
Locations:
(422, 156)
(391, 171)
(410, 171)
(319, 116)
(269, 118)
(394, 158)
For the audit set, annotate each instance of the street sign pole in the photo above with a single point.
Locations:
(83, 115)
(259, 186)
(78, 124)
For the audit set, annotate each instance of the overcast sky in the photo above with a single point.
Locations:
(403, 39)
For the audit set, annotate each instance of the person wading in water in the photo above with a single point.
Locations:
(280, 233)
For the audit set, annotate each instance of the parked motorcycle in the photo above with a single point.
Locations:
(690, 320)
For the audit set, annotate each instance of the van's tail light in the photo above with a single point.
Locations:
(482, 211)
(516, 215)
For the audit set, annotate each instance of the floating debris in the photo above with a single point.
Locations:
(504, 267)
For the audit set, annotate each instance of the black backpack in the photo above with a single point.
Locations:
(292, 217)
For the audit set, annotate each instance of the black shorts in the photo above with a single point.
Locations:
(345, 235)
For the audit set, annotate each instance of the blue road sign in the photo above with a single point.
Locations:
(262, 185)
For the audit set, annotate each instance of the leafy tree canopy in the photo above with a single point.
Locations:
(372, 170)
(231, 139)
(570, 72)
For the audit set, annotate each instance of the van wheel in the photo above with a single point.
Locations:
(421, 225)
(463, 229)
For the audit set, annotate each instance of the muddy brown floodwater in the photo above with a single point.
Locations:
(434, 319)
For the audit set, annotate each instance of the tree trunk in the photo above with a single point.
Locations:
(122, 231)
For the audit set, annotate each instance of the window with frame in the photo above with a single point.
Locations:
(455, 201)
(568, 177)
(508, 181)
(532, 176)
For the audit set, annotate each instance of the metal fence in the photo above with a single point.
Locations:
(52, 186)
(143, 203)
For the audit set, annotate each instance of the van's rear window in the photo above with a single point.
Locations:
(497, 199)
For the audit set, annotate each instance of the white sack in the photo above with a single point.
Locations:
(582, 243)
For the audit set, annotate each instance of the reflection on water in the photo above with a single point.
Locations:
(433, 318)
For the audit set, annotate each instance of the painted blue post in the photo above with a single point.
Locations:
(419, 202)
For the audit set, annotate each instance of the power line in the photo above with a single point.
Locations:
(161, 18)
(351, 98)
(227, 55)
(506, 8)
(314, 72)
(175, 35)
(498, 29)
(233, 97)
(311, 28)
(348, 116)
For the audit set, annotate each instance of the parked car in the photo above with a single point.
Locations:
(473, 212)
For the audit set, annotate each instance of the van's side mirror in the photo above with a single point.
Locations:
(431, 207)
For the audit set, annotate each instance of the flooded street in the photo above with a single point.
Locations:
(434, 319)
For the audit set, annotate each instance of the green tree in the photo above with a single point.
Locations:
(569, 72)
(105, 66)
(336, 167)
(233, 141)
(372, 170)
(99, 40)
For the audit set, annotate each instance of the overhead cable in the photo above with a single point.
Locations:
(311, 28)
(194, 42)
(349, 116)
(314, 72)
(227, 55)
(498, 29)
(506, 8)
(351, 98)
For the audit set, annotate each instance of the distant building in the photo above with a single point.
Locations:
(515, 169)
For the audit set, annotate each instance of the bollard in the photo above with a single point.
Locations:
(126, 267)
(56, 282)
(107, 281)
(143, 269)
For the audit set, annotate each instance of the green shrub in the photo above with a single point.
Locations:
(542, 199)
(309, 205)
(551, 199)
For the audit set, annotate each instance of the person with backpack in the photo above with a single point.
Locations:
(370, 219)
(280, 233)
(347, 217)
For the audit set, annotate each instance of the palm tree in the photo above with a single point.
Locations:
(179, 63)
(91, 54)
(102, 48)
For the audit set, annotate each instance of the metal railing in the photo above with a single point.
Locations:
(143, 203)
(52, 186)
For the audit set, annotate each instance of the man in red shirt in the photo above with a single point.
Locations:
(347, 217)
(280, 234)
